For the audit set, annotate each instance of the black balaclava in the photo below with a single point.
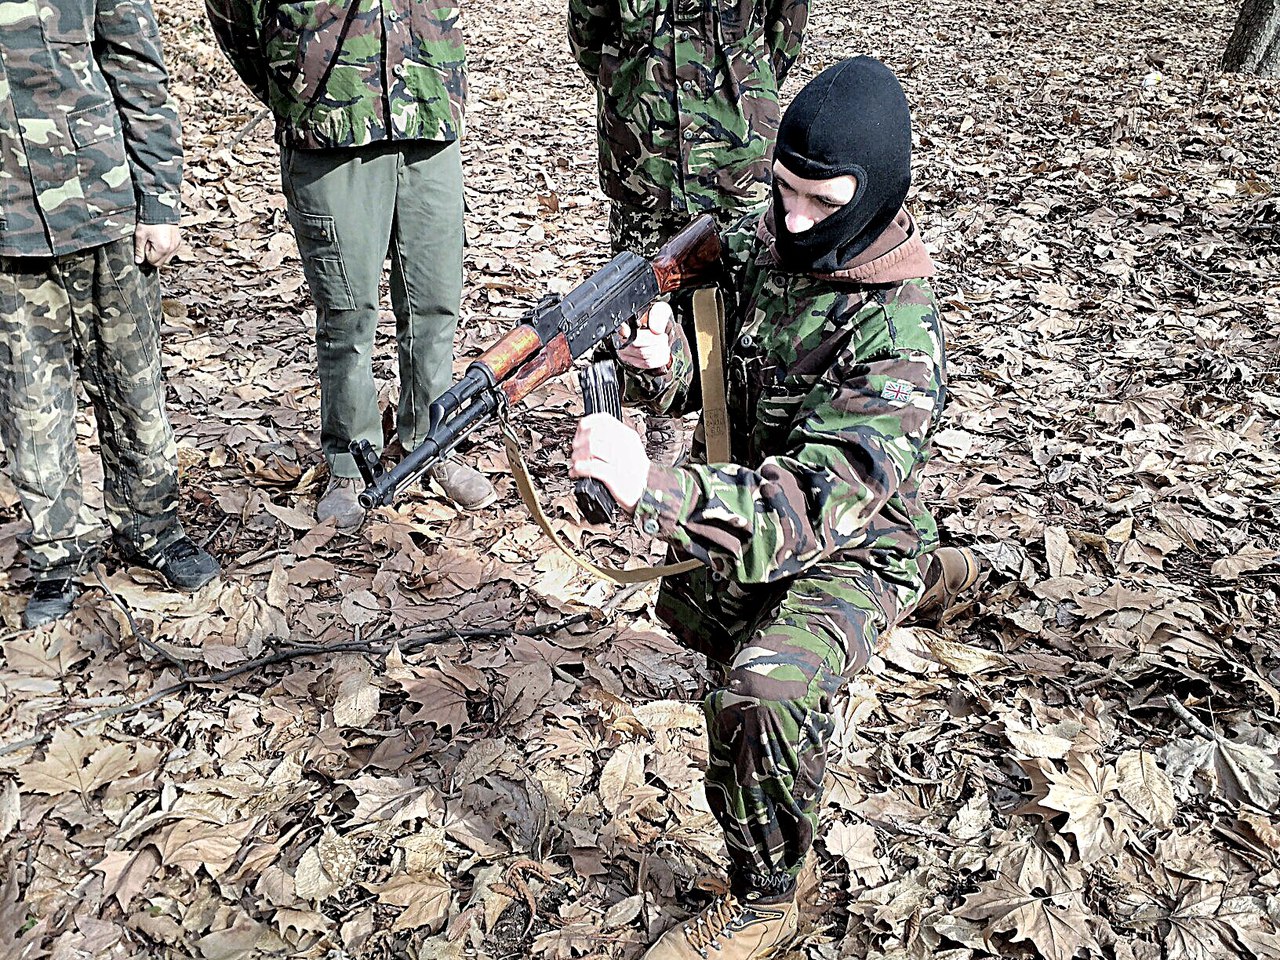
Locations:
(850, 119)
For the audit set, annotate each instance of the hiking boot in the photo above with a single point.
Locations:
(339, 503)
(948, 572)
(736, 929)
(663, 441)
(185, 565)
(468, 488)
(50, 600)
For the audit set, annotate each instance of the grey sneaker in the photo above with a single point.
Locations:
(339, 503)
(468, 488)
(185, 565)
(50, 600)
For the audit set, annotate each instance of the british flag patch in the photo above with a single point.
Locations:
(896, 391)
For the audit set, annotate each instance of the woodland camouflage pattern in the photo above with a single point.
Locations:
(643, 231)
(813, 541)
(349, 72)
(89, 137)
(97, 314)
(688, 97)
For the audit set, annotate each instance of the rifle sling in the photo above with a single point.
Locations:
(708, 318)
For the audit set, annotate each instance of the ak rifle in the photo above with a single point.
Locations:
(545, 345)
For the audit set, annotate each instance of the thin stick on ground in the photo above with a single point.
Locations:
(410, 645)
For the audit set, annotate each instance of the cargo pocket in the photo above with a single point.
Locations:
(322, 260)
(101, 165)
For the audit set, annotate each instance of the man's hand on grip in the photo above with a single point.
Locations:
(651, 348)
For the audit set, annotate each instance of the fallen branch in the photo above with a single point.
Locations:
(408, 645)
(1191, 720)
(248, 128)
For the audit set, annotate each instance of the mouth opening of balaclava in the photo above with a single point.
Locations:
(850, 119)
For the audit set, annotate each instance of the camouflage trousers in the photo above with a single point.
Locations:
(790, 648)
(92, 315)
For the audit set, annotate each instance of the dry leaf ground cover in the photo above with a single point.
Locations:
(494, 756)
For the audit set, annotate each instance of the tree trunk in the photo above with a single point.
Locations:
(1254, 46)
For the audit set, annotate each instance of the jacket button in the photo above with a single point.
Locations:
(650, 526)
(746, 341)
(687, 86)
(398, 70)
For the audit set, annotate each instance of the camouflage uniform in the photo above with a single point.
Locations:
(368, 99)
(88, 148)
(351, 72)
(687, 106)
(813, 536)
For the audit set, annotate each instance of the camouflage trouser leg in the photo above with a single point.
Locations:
(642, 231)
(96, 314)
(645, 231)
(770, 723)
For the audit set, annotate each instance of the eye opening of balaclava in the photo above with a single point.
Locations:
(852, 119)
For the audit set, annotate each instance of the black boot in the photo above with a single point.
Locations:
(185, 565)
(50, 600)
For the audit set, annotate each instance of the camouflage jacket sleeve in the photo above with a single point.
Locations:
(590, 27)
(784, 31)
(857, 437)
(127, 48)
(670, 392)
(236, 26)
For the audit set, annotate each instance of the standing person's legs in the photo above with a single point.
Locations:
(115, 306)
(341, 203)
(426, 294)
(426, 278)
(117, 344)
(37, 418)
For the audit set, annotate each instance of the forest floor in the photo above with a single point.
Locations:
(464, 747)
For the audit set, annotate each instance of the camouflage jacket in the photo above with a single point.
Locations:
(835, 390)
(89, 137)
(687, 96)
(346, 73)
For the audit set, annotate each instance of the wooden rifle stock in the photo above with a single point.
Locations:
(691, 257)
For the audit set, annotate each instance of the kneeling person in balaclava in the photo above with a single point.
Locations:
(813, 538)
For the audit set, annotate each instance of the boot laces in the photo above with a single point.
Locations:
(179, 550)
(710, 925)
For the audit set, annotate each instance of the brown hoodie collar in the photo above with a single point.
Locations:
(896, 255)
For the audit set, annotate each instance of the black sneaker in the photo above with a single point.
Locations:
(50, 600)
(185, 565)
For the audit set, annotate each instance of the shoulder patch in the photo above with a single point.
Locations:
(897, 392)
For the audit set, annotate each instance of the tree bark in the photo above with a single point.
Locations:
(1254, 46)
